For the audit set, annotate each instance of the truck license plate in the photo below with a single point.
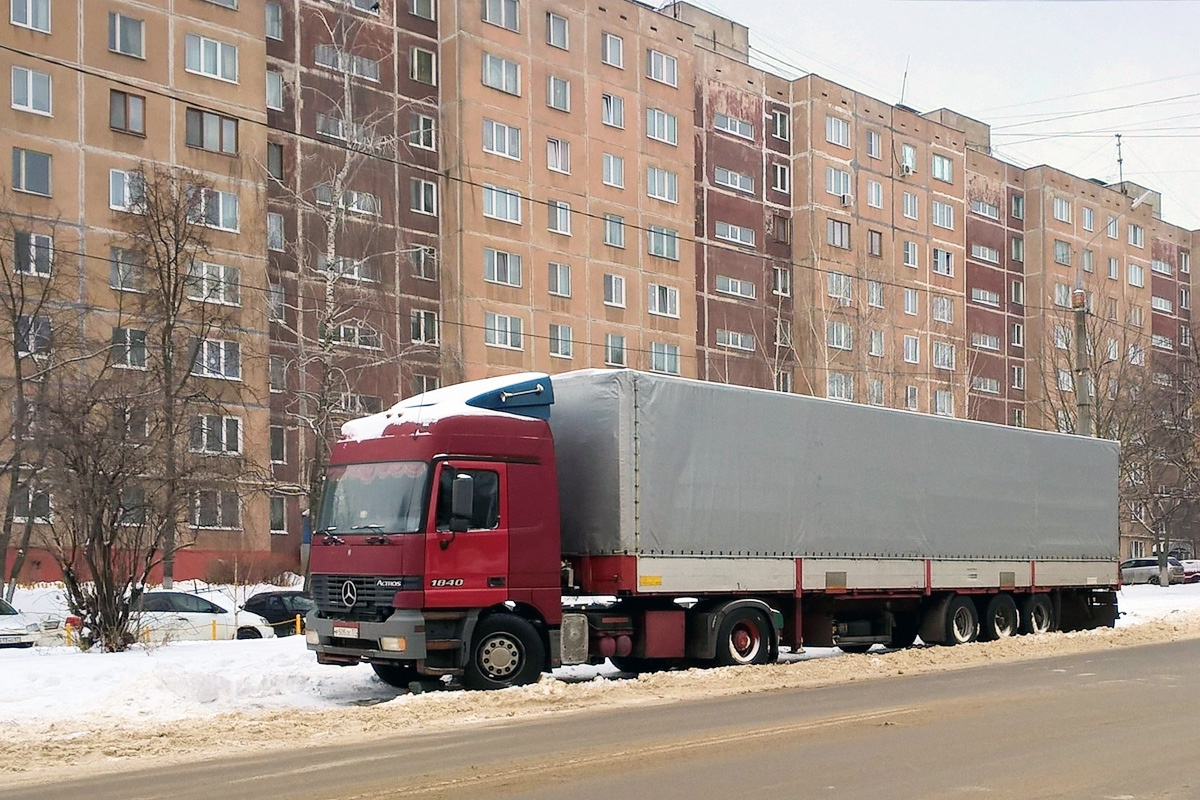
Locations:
(10, 639)
(345, 630)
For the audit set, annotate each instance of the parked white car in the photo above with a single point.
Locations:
(169, 616)
(1145, 570)
(17, 629)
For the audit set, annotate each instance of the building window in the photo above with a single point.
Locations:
(1088, 217)
(1185, 298)
(910, 301)
(1137, 275)
(943, 261)
(781, 283)
(275, 239)
(875, 293)
(874, 144)
(1018, 377)
(943, 356)
(733, 180)
(32, 14)
(274, 20)
(733, 125)
(556, 30)
(735, 287)
(31, 505)
(211, 58)
(31, 90)
(910, 254)
(1114, 269)
(837, 182)
(614, 170)
(502, 13)
(839, 386)
(943, 403)
(33, 253)
(614, 350)
(661, 126)
(1185, 262)
(662, 68)
(212, 508)
(500, 330)
(1063, 380)
(875, 344)
(1162, 342)
(664, 301)
(128, 348)
(560, 279)
(985, 253)
(839, 336)
(214, 208)
(501, 267)
(614, 230)
(781, 178)
(735, 233)
(502, 204)
(423, 326)
(423, 197)
(274, 90)
(985, 385)
(875, 243)
(1062, 295)
(664, 358)
(1161, 267)
(783, 381)
(31, 171)
(662, 242)
(1162, 304)
(356, 336)
(210, 131)
(1062, 209)
(558, 93)
(214, 283)
(125, 270)
(1062, 252)
(985, 341)
(837, 234)
(874, 194)
(275, 160)
(612, 110)
(278, 515)
(1137, 235)
(126, 190)
(985, 209)
(614, 291)
(561, 344)
(781, 125)
(32, 335)
(840, 287)
(1018, 207)
(425, 383)
(735, 340)
(910, 205)
(1111, 228)
(1018, 335)
(612, 50)
(943, 215)
(781, 226)
(558, 155)
(559, 217)
(908, 159)
(1136, 317)
(912, 350)
(422, 66)
(126, 36)
(218, 435)
(910, 398)
(424, 262)
(501, 74)
(502, 140)
(276, 374)
(985, 297)
(943, 169)
(276, 302)
(422, 131)
(127, 112)
(837, 131)
(217, 358)
(943, 308)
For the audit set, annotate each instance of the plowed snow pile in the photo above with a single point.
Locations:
(200, 700)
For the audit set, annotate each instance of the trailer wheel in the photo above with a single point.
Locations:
(397, 675)
(962, 621)
(1037, 614)
(507, 652)
(1000, 618)
(743, 638)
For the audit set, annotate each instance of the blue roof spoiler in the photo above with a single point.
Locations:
(528, 398)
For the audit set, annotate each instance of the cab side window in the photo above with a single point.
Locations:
(485, 507)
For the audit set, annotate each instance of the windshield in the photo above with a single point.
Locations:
(374, 498)
(6, 609)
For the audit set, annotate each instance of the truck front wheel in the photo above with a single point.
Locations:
(397, 675)
(507, 652)
(743, 638)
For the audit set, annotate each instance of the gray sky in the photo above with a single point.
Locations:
(1017, 65)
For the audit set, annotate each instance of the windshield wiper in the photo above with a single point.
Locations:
(329, 537)
(372, 526)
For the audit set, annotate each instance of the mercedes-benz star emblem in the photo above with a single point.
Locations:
(349, 594)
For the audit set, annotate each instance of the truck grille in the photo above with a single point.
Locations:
(372, 601)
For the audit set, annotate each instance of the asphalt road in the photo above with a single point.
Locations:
(1121, 725)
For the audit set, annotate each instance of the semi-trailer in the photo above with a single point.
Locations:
(495, 529)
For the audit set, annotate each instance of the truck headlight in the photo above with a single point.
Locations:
(393, 643)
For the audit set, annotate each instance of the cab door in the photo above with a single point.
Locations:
(468, 569)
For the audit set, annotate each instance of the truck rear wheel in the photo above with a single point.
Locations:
(962, 621)
(1037, 614)
(398, 675)
(507, 652)
(743, 638)
(1000, 619)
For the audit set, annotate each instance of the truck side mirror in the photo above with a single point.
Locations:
(462, 502)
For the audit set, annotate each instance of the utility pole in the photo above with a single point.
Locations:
(1083, 370)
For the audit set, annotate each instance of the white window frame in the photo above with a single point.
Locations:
(502, 13)
(943, 215)
(506, 74)
(664, 358)
(214, 283)
(733, 126)
(423, 197)
(781, 125)
(837, 130)
(128, 182)
(614, 230)
(735, 287)
(612, 50)
(737, 234)
(218, 358)
(553, 98)
(558, 155)
(663, 300)
(662, 126)
(874, 194)
(614, 350)
(559, 280)
(502, 140)
(502, 204)
(29, 80)
(563, 42)
(662, 68)
(503, 331)
(662, 242)
(662, 184)
(562, 344)
(613, 171)
(737, 181)
(942, 168)
(558, 217)
(614, 290)
(612, 110)
(116, 23)
(501, 267)
(31, 13)
(199, 45)
(781, 178)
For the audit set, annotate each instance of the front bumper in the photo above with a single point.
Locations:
(401, 637)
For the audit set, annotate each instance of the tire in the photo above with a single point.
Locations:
(904, 630)
(507, 651)
(1153, 579)
(635, 665)
(1037, 615)
(743, 638)
(1000, 619)
(249, 633)
(962, 621)
(397, 675)
(854, 648)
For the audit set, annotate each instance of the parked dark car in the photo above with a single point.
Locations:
(280, 609)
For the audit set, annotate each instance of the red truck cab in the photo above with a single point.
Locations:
(403, 582)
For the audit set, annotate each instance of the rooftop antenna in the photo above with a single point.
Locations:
(904, 82)
(1120, 167)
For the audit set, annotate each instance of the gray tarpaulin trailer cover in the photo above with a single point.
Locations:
(655, 465)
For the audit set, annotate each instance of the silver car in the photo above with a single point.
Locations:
(17, 629)
(1145, 570)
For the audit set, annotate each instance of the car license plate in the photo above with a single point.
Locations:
(345, 630)
(10, 639)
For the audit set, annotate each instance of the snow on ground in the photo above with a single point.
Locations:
(194, 699)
